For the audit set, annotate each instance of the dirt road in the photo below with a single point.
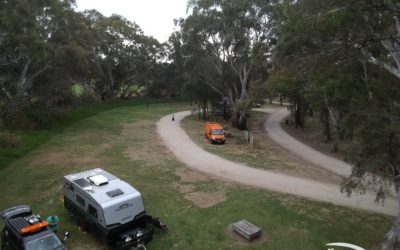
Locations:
(305, 152)
(177, 141)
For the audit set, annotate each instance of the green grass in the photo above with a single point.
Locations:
(124, 141)
(235, 148)
(31, 139)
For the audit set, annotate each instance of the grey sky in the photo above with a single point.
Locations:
(155, 17)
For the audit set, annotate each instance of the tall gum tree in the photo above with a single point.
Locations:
(228, 31)
(28, 43)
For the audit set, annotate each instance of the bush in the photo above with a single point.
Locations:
(41, 116)
(9, 140)
(37, 116)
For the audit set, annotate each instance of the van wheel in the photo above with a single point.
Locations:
(139, 247)
(81, 226)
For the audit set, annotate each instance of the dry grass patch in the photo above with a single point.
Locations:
(65, 158)
(190, 176)
(199, 198)
(206, 199)
(142, 133)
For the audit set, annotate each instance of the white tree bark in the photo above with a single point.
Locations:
(392, 46)
(23, 84)
(334, 123)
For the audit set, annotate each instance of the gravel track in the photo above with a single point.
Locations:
(186, 151)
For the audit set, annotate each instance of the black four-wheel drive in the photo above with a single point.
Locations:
(26, 231)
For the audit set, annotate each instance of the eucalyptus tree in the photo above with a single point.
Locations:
(228, 32)
(114, 35)
(349, 48)
(30, 38)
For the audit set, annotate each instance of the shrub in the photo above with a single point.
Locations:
(37, 116)
(42, 116)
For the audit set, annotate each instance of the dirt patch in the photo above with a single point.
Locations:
(183, 189)
(244, 242)
(206, 199)
(190, 176)
(146, 155)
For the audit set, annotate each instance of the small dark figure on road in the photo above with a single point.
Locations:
(173, 118)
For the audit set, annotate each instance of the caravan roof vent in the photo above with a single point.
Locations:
(115, 193)
(98, 180)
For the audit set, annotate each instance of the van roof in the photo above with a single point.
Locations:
(105, 188)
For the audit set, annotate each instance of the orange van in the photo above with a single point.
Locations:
(214, 132)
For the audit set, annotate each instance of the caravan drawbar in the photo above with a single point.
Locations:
(110, 207)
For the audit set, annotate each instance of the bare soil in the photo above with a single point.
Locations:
(200, 199)
(187, 175)
(206, 199)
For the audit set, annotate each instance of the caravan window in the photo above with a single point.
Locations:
(80, 200)
(92, 211)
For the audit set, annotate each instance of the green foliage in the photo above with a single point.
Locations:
(77, 90)
(227, 44)
(41, 116)
(322, 46)
(47, 47)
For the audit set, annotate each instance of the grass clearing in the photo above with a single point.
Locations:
(32, 139)
(124, 141)
(235, 148)
(264, 155)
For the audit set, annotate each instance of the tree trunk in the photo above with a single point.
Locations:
(235, 119)
(297, 115)
(242, 122)
(311, 112)
(110, 87)
(327, 129)
(23, 84)
(199, 107)
(391, 241)
(334, 124)
(204, 107)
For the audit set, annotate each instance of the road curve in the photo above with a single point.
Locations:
(303, 151)
(186, 151)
